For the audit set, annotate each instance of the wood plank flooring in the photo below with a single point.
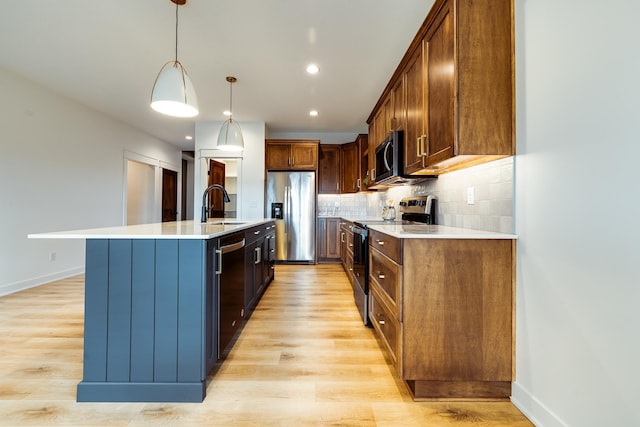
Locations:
(303, 359)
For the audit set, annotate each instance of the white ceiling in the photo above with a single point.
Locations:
(106, 55)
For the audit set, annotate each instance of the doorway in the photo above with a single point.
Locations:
(216, 199)
(140, 193)
(224, 171)
(169, 195)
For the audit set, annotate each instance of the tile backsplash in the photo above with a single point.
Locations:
(492, 186)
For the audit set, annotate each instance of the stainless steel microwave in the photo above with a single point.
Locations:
(390, 162)
(389, 156)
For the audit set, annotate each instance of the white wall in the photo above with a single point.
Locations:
(61, 168)
(251, 176)
(577, 212)
(140, 193)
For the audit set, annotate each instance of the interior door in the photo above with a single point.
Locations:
(216, 201)
(169, 195)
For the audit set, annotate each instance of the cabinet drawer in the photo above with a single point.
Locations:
(390, 246)
(387, 275)
(387, 328)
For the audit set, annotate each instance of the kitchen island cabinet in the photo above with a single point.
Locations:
(152, 309)
(442, 308)
(259, 263)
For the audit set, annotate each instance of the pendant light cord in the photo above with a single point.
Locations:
(177, 30)
(230, 101)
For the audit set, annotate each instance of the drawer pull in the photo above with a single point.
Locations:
(380, 275)
(380, 242)
(256, 232)
(381, 322)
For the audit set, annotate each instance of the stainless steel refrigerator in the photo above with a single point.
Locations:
(291, 201)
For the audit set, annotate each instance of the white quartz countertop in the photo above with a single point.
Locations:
(428, 231)
(216, 227)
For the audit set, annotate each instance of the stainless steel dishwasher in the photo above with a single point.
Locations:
(230, 269)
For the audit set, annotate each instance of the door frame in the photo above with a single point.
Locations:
(157, 196)
(200, 179)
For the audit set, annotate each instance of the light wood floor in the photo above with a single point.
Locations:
(303, 359)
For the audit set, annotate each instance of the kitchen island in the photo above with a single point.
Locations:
(153, 306)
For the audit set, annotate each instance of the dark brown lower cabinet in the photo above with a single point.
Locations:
(328, 239)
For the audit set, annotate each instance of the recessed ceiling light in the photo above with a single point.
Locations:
(312, 69)
(313, 113)
(188, 137)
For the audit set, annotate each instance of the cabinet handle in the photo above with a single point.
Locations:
(293, 161)
(341, 237)
(380, 242)
(358, 183)
(256, 232)
(419, 146)
(381, 322)
(257, 255)
(233, 323)
(219, 266)
(373, 174)
(350, 245)
(337, 186)
(380, 275)
(423, 145)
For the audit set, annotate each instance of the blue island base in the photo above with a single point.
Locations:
(141, 392)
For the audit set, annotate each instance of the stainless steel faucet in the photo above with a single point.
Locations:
(226, 199)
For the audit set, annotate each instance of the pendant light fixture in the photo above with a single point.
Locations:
(230, 137)
(173, 93)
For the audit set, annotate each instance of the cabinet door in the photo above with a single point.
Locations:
(363, 155)
(321, 238)
(375, 138)
(278, 156)
(414, 131)
(329, 169)
(304, 156)
(333, 238)
(265, 264)
(350, 168)
(398, 116)
(440, 88)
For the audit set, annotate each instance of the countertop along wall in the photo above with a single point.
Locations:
(61, 168)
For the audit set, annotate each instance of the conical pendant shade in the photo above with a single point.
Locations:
(173, 93)
(230, 137)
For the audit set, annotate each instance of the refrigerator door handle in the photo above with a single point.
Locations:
(286, 209)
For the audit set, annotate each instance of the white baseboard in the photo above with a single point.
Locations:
(532, 408)
(37, 281)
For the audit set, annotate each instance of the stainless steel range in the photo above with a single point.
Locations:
(416, 209)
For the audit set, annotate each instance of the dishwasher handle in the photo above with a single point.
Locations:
(231, 247)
